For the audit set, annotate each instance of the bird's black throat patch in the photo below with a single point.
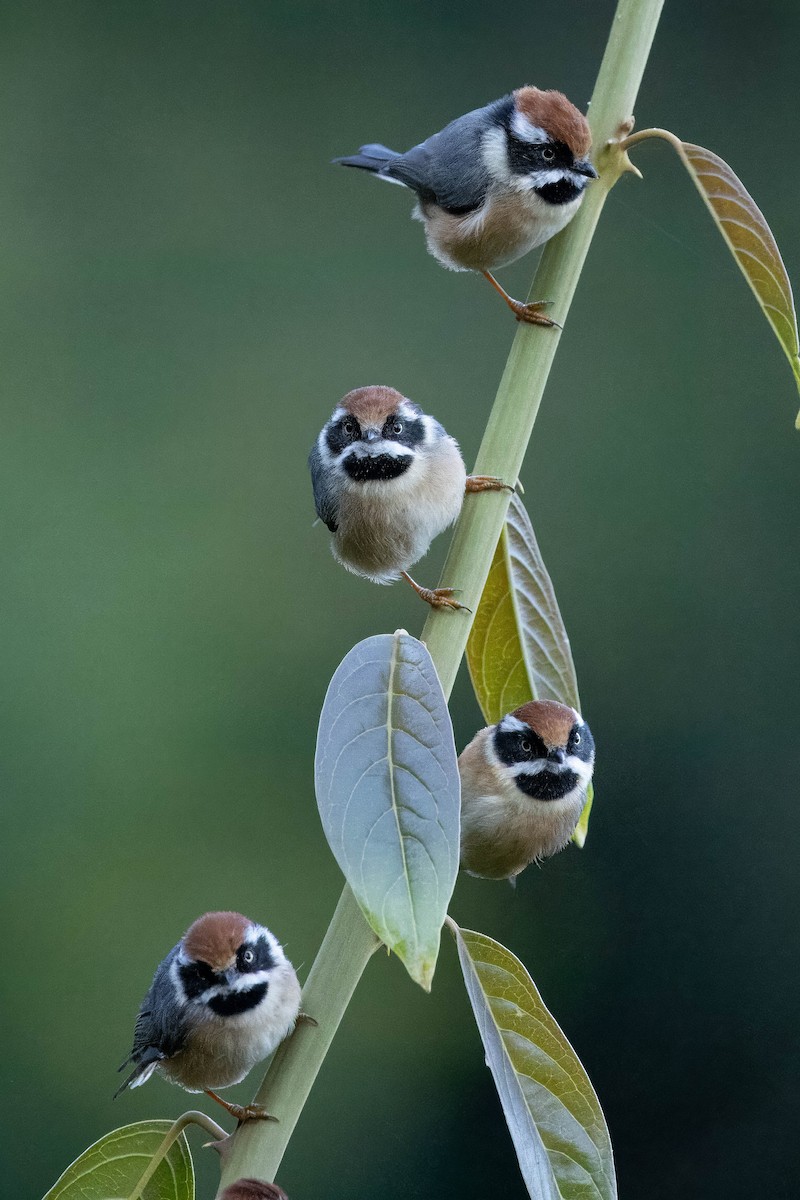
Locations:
(376, 467)
(560, 192)
(231, 1004)
(547, 785)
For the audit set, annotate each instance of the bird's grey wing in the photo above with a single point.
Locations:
(448, 168)
(160, 1030)
(324, 498)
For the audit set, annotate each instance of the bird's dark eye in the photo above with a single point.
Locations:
(548, 155)
(248, 957)
(576, 739)
(526, 746)
(397, 427)
(349, 427)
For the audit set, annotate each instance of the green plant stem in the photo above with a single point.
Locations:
(257, 1148)
(525, 376)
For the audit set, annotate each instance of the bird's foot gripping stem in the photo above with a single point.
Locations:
(529, 314)
(242, 1112)
(487, 483)
(436, 597)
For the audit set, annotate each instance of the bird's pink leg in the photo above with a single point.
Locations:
(486, 483)
(530, 314)
(436, 597)
(242, 1112)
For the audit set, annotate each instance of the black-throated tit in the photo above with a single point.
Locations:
(494, 183)
(219, 1003)
(523, 788)
(387, 479)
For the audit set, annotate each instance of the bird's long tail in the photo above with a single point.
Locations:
(374, 158)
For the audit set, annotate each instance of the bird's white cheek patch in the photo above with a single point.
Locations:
(495, 154)
(582, 769)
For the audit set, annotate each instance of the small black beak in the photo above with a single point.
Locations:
(558, 755)
(584, 167)
(371, 435)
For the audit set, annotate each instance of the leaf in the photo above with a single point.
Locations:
(389, 793)
(551, 1109)
(112, 1167)
(748, 236)
(518, 649)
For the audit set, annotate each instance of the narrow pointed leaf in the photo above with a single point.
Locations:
(748, 237)
(112, 1168)
(518, 649)
(551, 1109)
(389, 793)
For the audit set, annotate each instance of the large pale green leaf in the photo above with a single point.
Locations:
(112, 1168)
(748, 237)
(389, 793)
(550, 1107)
(518, 649)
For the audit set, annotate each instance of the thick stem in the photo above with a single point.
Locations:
(522, 385)
(257, 1148)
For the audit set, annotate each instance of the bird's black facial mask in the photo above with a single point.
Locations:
(342, 434)
(406, 431)
(552, 162)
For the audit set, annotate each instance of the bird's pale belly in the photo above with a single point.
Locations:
(505, 229)
(384, 528)
(221, 1055)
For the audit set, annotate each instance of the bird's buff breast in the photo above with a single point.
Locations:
(222, 1050)
(385, 527)
(504, 229)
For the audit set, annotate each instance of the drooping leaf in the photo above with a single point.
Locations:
(389, 793)
(112, 1168)
(518, 649)
(551, 1109)
(748, 236)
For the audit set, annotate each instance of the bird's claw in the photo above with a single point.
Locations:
(487, 483)
(531, 314)
(442, 598)
(250, 1112)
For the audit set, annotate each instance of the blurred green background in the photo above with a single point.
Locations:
(187, 288)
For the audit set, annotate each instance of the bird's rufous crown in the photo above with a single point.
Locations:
(551, 720)
(215, 937)
(557, 116)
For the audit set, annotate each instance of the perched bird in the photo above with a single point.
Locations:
(387, 479)
(494, 183)
(523, 787)
(253, 1189)
(219, 1003)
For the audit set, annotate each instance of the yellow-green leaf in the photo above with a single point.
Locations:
(518, 649)
(112, 1168)
(551, 1109)
(748, 236)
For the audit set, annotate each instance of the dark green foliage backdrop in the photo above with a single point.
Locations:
(187, 288)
